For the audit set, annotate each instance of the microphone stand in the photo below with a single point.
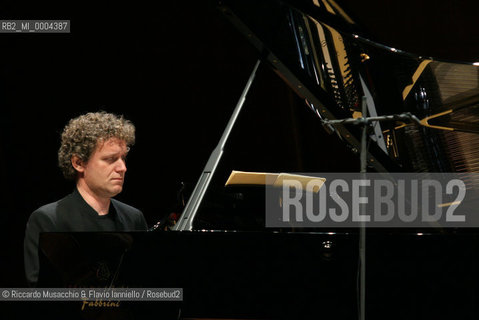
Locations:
(365, 121)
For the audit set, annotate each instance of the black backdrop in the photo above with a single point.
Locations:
(176, 69)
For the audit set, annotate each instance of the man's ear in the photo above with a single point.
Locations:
(78, 163)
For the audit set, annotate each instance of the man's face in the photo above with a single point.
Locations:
(104, 173)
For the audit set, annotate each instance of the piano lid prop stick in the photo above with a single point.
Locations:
(185, 222)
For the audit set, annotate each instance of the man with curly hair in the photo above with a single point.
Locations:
(93, 151)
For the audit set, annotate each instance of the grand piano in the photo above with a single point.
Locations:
(232, 267)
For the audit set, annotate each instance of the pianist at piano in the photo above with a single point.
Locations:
(92, 153)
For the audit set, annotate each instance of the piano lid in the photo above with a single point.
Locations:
(317, 48)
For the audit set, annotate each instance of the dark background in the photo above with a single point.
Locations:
(176, 69)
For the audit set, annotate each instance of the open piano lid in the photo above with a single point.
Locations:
(329, 61)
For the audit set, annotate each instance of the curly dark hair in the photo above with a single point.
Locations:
(83, 134)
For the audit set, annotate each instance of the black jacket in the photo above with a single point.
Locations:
(72, 214)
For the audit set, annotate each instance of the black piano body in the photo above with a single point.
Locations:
(268, 275)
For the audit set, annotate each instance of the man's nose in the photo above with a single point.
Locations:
(120, 165)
